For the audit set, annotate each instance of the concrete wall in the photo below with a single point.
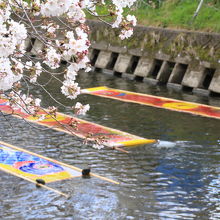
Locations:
(179, 59)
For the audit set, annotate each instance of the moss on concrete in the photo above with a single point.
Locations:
(199, 46)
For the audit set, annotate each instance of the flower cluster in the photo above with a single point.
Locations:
(62, 35)
(12, 36)
(127, 23)
(35, 70)
(7, 76)
(70, 89)
(73, 48)
(27, 104)
(52, 58)
(80, 109)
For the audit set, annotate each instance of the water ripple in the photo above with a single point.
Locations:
(177, 178)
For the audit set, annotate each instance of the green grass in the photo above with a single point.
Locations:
(178, 14)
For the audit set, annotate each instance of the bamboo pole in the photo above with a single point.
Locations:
(32, 181)
(104, 178)
(120, 149)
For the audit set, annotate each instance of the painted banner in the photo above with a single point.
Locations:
(84, 129)
(155, 101)
(33, 166)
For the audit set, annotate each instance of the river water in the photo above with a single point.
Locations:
(178, 178)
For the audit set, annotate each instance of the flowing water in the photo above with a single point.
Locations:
(177, 178)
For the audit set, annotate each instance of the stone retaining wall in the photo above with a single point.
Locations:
(179, 59)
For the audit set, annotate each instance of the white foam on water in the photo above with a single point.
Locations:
(167, 144)
(170, 144)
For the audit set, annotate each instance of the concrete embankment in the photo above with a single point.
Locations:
(182, 60)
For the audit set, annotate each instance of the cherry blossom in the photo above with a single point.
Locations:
(59, 27)
(52, 58)
(126, 34)
(36, 71)
(70, 89)
(74, 48)
(132, 19)
(81, 109)
(55, 7)
(7, 77)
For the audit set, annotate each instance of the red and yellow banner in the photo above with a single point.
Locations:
(84, 129)
(155, 101)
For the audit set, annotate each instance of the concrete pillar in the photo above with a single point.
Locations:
(122, 63)
(178, 73)
(215, 83)
(38, 45)
(165, 71)
(156, 66)
(194, 76)
(103, 59)
(144, 66)
(93, 56)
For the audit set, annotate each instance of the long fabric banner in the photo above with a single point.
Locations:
(84, 129)
(155, 101)
(32, 166)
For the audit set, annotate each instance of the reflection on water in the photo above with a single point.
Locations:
(177, 178)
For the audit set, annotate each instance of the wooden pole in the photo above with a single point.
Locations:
(32, 181)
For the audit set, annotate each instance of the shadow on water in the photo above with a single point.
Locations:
(177, 178)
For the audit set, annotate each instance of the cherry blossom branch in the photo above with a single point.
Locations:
(20, 21)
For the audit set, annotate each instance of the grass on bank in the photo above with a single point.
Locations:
(178, 14)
